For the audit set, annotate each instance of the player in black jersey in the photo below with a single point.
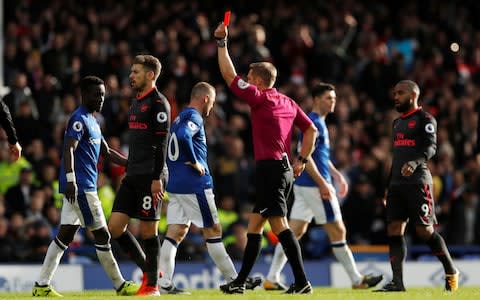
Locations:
(409, 196)
(141, 191)
(7, 125)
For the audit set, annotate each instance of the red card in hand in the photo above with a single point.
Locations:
(226, 18)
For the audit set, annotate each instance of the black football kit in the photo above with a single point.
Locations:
(414, 142)
(148, 127)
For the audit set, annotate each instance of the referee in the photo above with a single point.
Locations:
(273, 117)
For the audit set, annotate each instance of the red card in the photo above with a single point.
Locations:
(226, 18)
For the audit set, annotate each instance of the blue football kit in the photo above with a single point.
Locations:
(84, 128)
(187, 144)
(320, 155)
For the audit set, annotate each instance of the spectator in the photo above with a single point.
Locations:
(464, 224)
(18, 197)
(7, 244)
(237, 240)
(28, 128)
(19, 94)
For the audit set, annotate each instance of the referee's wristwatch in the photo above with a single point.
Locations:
(302, 159)
(221, 43)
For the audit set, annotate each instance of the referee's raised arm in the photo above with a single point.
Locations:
(224, 61)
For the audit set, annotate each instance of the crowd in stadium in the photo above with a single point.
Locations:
(361, 48)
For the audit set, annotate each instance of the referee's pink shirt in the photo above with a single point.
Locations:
(273, 117)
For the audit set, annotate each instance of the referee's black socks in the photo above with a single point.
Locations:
(294, 254)
(252, 251)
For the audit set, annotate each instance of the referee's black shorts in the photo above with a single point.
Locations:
(273, 184)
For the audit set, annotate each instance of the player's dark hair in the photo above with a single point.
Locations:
(321, 88)
(150, 62)
(266, 71)
(88, 81)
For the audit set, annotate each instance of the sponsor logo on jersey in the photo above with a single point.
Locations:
(401, 141)
(404, 143)
(94, 141)
(137, 125)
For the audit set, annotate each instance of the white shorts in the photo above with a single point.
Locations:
(309, 204)
(86, 211)
(197, 208)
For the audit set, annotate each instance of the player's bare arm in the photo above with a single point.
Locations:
(339, 179)
(407, 169)
(157, 189)
(71, 189)
(308, 143)
(16, 151)
(112, 154)
(197, 166)
(326, 192)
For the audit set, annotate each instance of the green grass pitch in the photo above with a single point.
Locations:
(319, 293)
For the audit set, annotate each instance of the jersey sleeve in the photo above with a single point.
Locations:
(185, 135)
(245, 91)
(7, 123)
(302, 121)
(430, 132)
(389, 176)
(161, 127)
(75, 127)
(428, 139)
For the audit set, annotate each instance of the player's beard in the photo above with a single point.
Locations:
(404, 107)
(138, 86)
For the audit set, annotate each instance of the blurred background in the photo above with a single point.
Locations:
(363, 47)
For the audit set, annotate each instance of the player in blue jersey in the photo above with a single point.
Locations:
(315, 196)
(190, 189)
(83, 143)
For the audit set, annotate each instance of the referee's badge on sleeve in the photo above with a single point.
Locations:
(242, 84)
